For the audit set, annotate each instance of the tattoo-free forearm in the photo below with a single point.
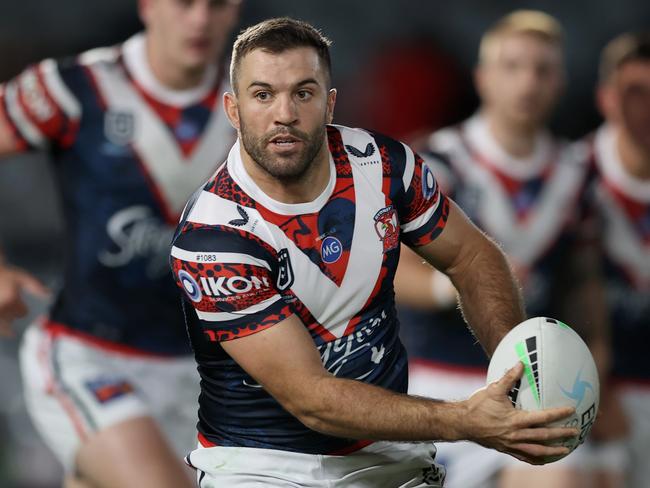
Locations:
(490, 297)
(350, 408)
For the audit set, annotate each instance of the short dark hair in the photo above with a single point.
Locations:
(275, 36)
(631, 46)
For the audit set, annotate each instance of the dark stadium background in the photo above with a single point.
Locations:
(401, 67)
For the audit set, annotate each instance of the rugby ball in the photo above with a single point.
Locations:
(559, 371)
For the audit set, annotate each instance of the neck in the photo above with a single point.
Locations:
(302, 189)
(170, 74)
(634, 158)
(515, 139)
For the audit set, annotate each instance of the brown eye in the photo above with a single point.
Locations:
(303, 95)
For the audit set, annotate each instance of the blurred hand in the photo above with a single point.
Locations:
(13, 282)
(493, 422)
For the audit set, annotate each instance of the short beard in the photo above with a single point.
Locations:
(290, 169)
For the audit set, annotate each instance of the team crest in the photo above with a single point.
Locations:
(386, 226)
(119, 127)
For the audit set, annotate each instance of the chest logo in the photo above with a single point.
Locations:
(369, 151)
(331, 250)
(386, 226)
(119, 127)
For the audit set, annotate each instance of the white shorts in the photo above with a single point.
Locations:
(379, 465)
(468, 465)
(74, 387)
(636, 403)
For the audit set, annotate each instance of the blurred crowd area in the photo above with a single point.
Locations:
(402, 68)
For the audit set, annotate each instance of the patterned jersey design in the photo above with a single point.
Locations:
(245, 262)
(622, 206)
(128, 156)
(526, 206)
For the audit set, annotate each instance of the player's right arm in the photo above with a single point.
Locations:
(260, 332)
(8, 142)
(37, 110)
(13, 281)
(284, 360)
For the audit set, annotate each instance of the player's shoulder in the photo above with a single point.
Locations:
(364, 145)
(577, 153)
(444, 140)
(221, 214)
(99, 56)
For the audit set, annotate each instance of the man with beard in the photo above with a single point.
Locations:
(286, 260)
(134, 130)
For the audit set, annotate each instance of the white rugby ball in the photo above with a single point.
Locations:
(559, 371)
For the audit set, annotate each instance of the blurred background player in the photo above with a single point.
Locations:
(522, 187)
(133, 129)
(620, 195)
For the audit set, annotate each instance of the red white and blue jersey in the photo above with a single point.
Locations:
(622, 206)
(246, 262)
(128, 154)
(526, 205)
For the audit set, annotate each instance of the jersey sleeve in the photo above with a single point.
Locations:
(424, 207)
(229, 279)
(39, 108)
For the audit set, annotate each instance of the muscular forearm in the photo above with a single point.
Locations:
(349, 408)
(489, 294)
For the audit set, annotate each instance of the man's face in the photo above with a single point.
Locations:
(625, 101)
(522, 79)
(282, 104)
(190, 33)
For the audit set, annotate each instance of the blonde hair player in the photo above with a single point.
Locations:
(521, 186)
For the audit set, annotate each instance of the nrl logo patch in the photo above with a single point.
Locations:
(119, 127)
(285, 273)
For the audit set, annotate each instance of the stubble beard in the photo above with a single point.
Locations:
(288, 169)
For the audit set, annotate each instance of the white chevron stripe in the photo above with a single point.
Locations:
(332, 306)
(175, 176)
(523, 242)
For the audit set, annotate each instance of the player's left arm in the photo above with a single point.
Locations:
(489, 294)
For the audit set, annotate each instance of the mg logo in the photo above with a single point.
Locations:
(331, 250)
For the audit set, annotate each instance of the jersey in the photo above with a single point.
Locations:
(128, 154)
(622, 206)
(527, 205)
(246, 262)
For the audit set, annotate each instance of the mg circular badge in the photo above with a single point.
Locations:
(331, 250)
